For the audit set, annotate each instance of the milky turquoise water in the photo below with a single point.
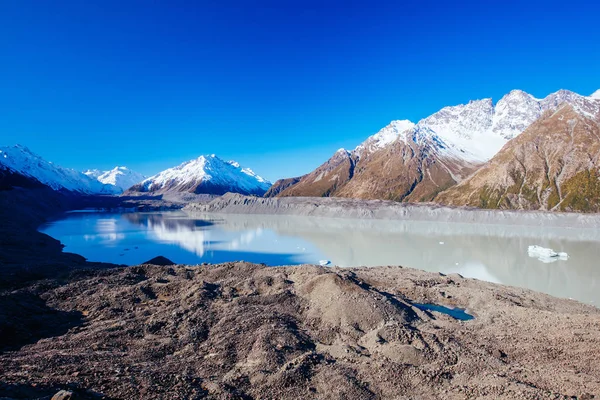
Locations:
(487, 252)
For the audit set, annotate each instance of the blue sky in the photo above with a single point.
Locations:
(276, 85)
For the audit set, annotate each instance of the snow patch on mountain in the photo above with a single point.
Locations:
(228, 176)
(596, 94)
(20, 159)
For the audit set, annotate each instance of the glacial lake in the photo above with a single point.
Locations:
(494, 253)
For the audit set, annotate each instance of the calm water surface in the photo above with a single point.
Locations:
(493, 253)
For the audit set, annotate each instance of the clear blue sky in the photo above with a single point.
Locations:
(277, 85)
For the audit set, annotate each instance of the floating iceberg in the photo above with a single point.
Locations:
(324, 262)
(546, 255)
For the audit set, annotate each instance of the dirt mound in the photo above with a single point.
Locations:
(240, 330)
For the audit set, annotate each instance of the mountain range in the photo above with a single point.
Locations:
(208, 174)
(122, 178)
(419, 162)
(521, 152)
(19, 160)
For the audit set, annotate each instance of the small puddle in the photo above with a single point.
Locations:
(456, 313)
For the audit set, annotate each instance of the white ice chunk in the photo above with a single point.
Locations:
(546, 255)
(324, 262)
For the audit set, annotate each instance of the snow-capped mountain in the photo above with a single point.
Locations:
(121, 178)
(477, 131)
(205, 175)
(415, 162)
(21, 160)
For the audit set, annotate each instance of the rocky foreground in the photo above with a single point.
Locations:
(243, 331)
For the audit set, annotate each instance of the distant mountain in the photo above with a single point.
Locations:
(19, 160)
(415, 162)
(121, 178)
(553, 165)
(204, 175)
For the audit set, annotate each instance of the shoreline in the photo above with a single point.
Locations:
(388, 210)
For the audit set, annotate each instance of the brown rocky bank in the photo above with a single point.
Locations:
(238, 330)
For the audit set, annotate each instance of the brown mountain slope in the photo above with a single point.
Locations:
(404, 171)
(552, 165)
(281, 184)
(326, 180)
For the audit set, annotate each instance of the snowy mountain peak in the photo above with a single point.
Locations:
(385, 136)
(120, 178)
(93, 173)
(514, 113)
(596, 94)
(206, 174)
(20, 159)
(515, 94)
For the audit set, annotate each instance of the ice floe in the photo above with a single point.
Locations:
(546, 255)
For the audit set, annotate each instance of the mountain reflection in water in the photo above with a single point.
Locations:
(494, 253)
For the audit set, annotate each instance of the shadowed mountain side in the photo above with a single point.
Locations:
(10, 179)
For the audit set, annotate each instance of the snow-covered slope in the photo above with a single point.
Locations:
(206, 174)
(476, 131)
(94, 173)
(121, 178)
(385, 136)
(20, 159)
